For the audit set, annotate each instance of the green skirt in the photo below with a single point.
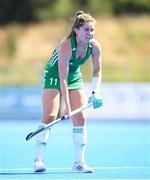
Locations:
(51, 80)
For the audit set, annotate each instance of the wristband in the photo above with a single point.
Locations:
(96, 81)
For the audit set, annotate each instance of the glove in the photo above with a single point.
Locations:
(96, 99)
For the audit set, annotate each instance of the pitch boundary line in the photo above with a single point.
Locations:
(96, 168)
(89, 179)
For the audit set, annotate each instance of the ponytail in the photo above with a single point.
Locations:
(78, 13)
(79, 19)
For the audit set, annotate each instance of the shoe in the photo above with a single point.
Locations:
(81, 167)
(39, 166)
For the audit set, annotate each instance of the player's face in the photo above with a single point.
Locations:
(86, 32)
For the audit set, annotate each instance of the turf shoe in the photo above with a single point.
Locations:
(39, 166)
(81, 167)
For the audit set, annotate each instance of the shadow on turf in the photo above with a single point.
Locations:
(27, 173)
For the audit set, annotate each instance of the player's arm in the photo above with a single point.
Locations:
(97, 62)
(64, 55)
(97, 75)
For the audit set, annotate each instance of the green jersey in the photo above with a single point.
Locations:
(75, 80)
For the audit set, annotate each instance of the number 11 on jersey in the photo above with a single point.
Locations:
(53, 81)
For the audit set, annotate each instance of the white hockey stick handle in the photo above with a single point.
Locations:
(30, 135)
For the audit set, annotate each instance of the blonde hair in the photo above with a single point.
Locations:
(78, 21)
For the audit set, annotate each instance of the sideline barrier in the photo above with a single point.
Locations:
(20, 102)
(121, 101)
(124, 101)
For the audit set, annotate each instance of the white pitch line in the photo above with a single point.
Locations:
(90, 179)
(96, 168)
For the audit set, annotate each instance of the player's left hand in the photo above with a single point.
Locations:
(96, 99)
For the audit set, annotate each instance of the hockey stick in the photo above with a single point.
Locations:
(30, 135)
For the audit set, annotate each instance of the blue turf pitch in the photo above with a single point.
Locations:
(116, 150)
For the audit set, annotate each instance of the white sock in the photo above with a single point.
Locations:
(79, 140)
(41, 142)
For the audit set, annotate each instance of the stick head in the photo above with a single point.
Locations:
(29, 136)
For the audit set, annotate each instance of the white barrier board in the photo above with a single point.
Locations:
(121, 101)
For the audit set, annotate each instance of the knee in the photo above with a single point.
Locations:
(79, 119)
(49, 118)
(79, 122)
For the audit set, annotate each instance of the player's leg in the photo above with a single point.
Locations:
(77, 99)
(50, 103)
